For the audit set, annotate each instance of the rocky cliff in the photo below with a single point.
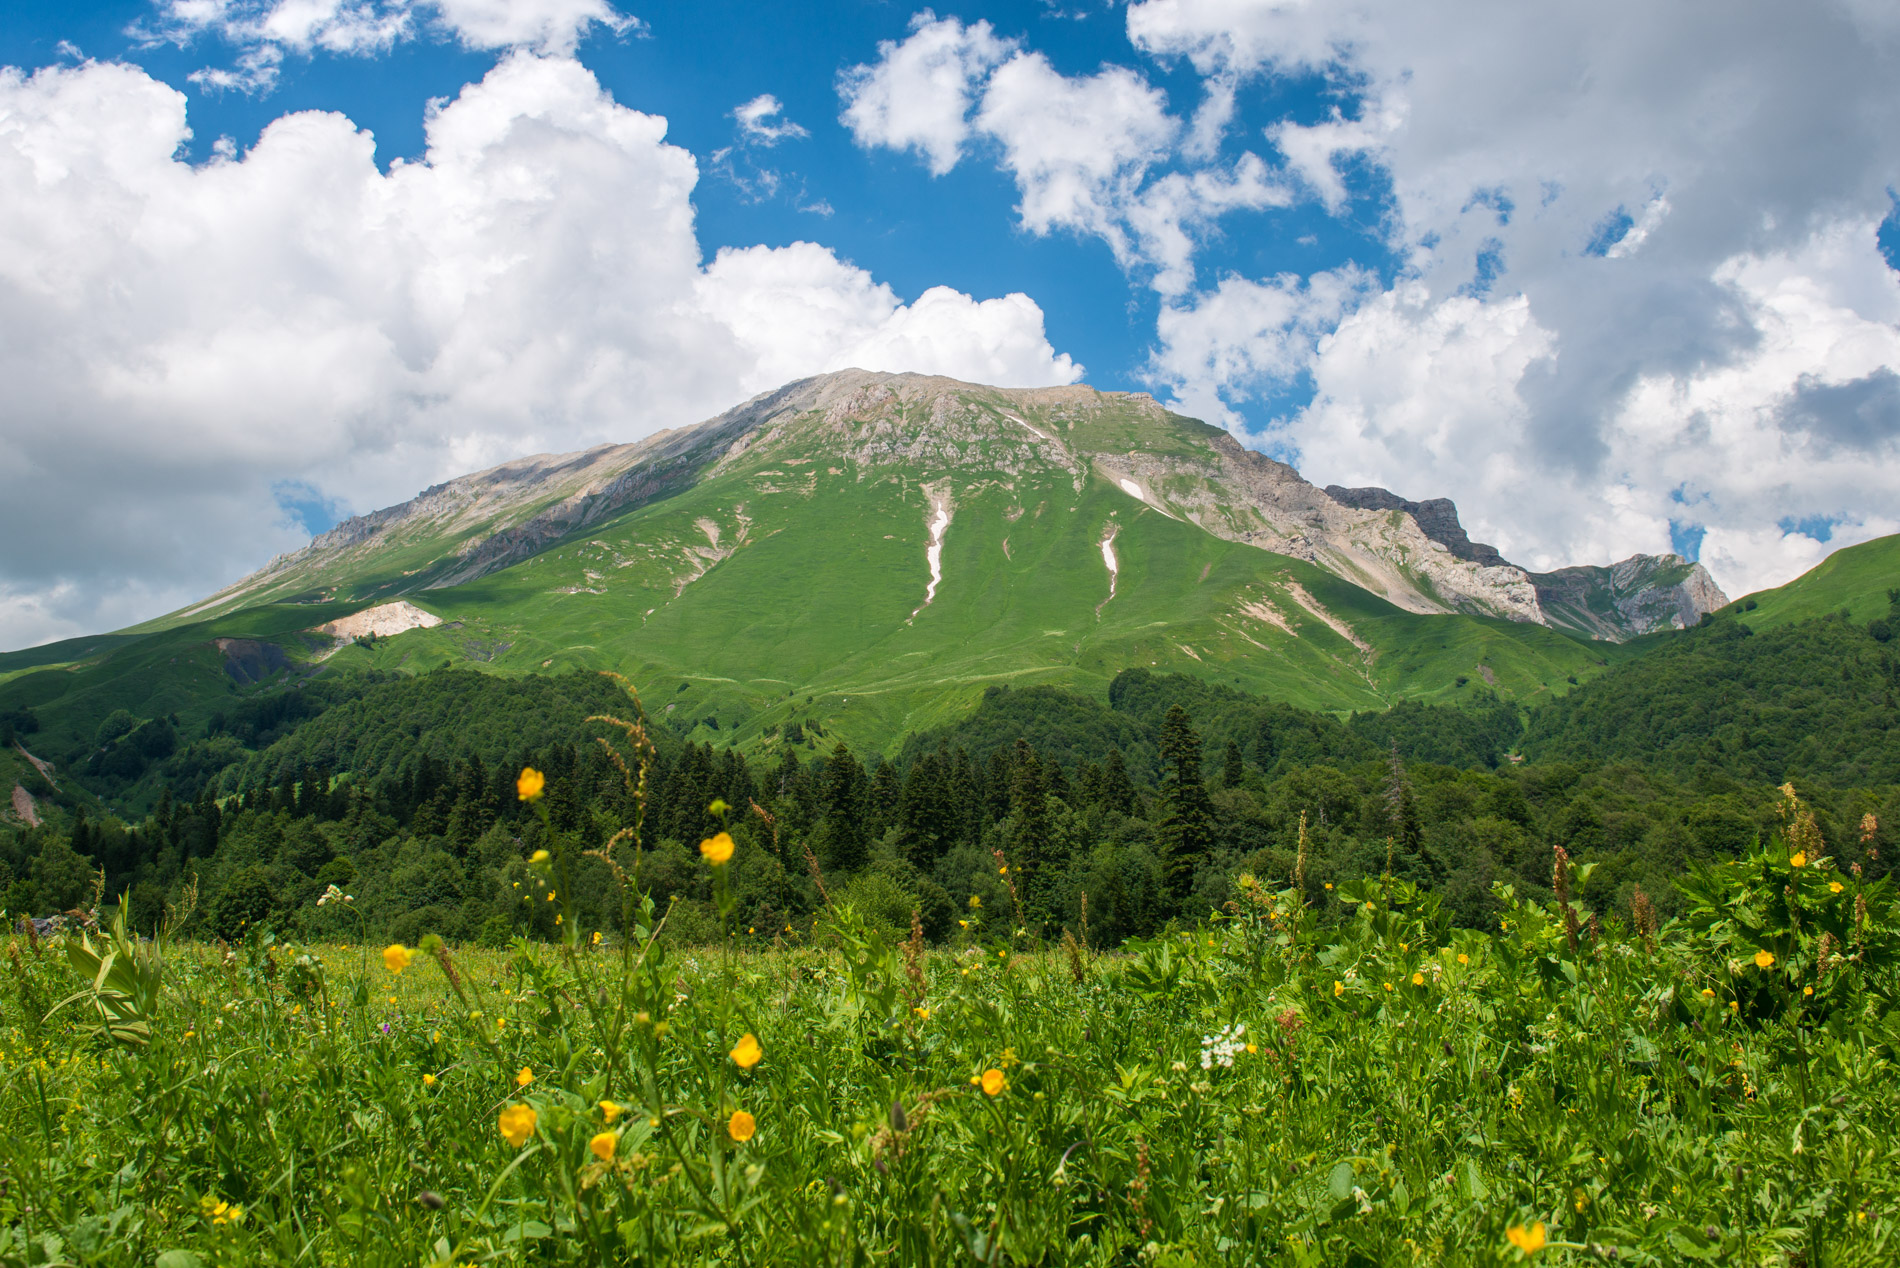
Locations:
(1640, 595)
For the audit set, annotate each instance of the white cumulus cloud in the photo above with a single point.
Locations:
(179, 341)
(1638, 284)
(264, 31)
(918, 94)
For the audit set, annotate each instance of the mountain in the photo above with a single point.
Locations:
(1640, 595)
(866, 552)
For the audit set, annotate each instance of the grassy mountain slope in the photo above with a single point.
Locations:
(1854, 578)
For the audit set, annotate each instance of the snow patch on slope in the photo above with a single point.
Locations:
(1110, 562)
(933, 553)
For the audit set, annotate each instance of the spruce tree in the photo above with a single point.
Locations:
(1118, 790)
(1027, 845)
(1233, 769)
(1187, 822)
(843, 808)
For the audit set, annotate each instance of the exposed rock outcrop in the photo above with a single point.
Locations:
(1640, 595)
(1437, 517)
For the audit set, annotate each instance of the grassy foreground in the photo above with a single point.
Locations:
(1357, 1084)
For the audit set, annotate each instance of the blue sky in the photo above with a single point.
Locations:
(1614, 278)
(695, 63)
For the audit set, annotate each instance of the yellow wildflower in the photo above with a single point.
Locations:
(1339, 988)
(525, 1077)
(1464, 959)
(1833, 887)
(539, 856)
(994, 1082)
(428, 1080)
(1418, 979)
(517, 1124)
(602, 1145)
(717, 849)
(747, 1053)
(1807, 990)
(1529, 1240)
(741, 1126)
(1764, 959)
(611, 1110)
(596, 937)
(396, 957)
(531, 784)
(922, 1012)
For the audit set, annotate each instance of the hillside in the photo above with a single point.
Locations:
(1854, 579)
(1811, 700)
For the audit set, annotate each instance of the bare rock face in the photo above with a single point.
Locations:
(1638, 596)
(385, 620)
(1437, 518)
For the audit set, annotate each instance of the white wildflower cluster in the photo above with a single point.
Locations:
(335, 895)
(1222, 1045)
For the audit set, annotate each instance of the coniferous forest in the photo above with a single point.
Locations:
(1113, 817)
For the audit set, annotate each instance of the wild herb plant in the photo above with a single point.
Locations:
(1264, 1087)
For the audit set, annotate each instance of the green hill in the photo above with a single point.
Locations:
(1854, 579)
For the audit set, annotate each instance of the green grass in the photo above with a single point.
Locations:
(1855, 578)
(1357, 1083)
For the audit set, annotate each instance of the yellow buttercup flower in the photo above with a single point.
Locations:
(994, 1082)
(517, 1124)
(1339, 988)
(741, 1126)
(539, 856)
(1418, 979)
(396, 957)
(531, 784)
(596, 937)
(717, 849)
(428, 1080)
(747, 1053)
(525, 1077)
(611, 1110)
(1529, 1240)
(1800, 859)
(602, 1145)
(1707, 993)
(1834, 887)
(1464, 959)
(1764, 959)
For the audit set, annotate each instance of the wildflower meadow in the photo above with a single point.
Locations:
(1284, 1082)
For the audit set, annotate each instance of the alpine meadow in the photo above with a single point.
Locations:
(1396, 763)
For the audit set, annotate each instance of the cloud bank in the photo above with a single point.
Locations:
(189, 350)
(1632, 291)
